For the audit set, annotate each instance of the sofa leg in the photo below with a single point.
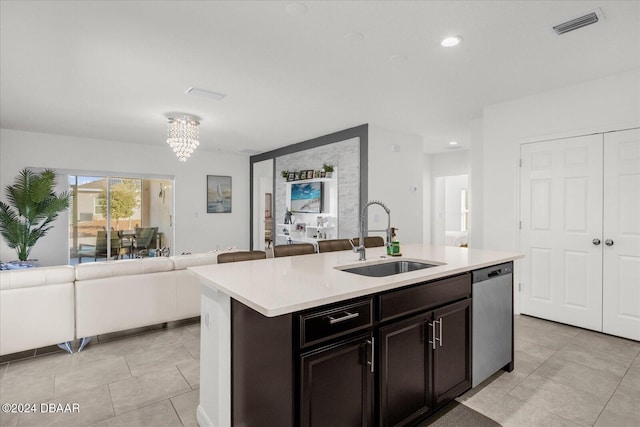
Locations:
(66, 346)
(83, 342)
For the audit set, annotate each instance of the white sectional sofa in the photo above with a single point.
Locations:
(52, 305)
(36, 308)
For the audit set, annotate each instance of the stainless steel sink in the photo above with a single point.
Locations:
(388, 268)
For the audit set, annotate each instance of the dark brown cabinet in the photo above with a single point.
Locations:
(452, 354)
(336, 387)
(405, 371)
(425, 360)
(389, 359)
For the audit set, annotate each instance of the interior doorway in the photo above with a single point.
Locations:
(451, 210)
(263, 204)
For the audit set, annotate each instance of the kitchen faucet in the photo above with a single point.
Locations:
(360, 248)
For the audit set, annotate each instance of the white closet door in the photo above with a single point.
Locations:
(561, 211)
(621, 281)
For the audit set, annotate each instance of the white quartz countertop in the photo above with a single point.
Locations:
(277, 286)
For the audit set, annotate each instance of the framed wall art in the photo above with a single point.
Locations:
(218, 194)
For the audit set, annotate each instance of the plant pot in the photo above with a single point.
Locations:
(16, 264)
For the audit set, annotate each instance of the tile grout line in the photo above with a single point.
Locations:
(576, 362)
(616, 389)
(591, 367)
(531, 373)
(113, 408)
(184, 378)
(175, 410)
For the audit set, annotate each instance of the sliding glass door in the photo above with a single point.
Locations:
(119, 217)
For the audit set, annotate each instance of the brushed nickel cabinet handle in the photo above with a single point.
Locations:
(596, 242)
(608, 242)
(372, 344)
(433, 335)
(334, 320)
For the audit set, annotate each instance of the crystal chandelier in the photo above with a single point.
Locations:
(183, 135)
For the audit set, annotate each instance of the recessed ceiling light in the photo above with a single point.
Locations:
(205, 93)
(354, 36)
(451, 41)
(453, 143)
(297, 9)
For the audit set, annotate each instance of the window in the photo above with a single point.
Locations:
(119, 217)
(464, 210)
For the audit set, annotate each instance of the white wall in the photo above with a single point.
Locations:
(450, 163)
(396, 178)
(195, 230)
(453, 203)
(428, 194)
(476, 171)
(599, 105)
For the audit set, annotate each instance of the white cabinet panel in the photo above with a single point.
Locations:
(576, 200)
(541, 278)
(621, 260)
(576, 266)
(580, 207)
(561, 208)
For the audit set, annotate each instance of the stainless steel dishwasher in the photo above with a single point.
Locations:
(492, 316)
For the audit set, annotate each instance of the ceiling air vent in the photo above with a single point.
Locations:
(579, 22)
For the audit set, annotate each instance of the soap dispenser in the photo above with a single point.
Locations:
(394, 249)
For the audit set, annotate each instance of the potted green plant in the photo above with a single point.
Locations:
(284, 174)
(33, 206)
(328, 170)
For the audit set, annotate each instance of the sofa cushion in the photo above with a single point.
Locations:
(38, 276)
(116, 303)
(192, 260)
(127, 267)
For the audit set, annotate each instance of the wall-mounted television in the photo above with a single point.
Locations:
(306, 197)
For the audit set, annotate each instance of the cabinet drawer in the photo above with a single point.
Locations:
(317, 326)
(425, 296)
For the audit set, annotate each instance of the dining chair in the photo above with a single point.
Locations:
(369, 242)
(333, 245)
(293, 249)
(99, 249)
(144, 237)
(241, 256)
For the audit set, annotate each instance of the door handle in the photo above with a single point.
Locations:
(608, 242)
(596, 242)
(440, 335)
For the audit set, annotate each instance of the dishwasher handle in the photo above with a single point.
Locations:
(492, 272)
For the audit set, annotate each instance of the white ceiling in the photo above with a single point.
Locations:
(113, 69)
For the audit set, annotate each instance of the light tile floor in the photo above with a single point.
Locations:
(564, 376)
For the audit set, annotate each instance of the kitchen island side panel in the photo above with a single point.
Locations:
(262, 368)
(214, 409)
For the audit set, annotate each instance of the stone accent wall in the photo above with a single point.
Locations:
(345, 157)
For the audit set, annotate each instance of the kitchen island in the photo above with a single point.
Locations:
(298, 341)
